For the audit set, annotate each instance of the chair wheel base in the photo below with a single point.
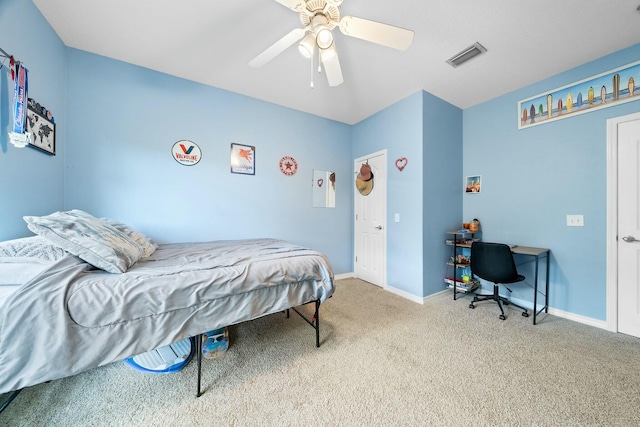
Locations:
(502, 317)
(472, 306)
(525, 314)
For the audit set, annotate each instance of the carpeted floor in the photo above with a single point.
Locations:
(383, 361)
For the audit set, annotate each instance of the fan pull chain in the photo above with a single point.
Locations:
(311, 62)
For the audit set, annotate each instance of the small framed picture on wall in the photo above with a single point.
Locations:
(43, 132)
(243, 159)
(473, 184)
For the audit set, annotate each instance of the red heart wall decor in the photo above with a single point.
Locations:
(320, 181)
(401, 163)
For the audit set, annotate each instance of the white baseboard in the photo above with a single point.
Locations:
(404, 294)
(437, 294)
(602, 324)
(344, 276)
(387, 288)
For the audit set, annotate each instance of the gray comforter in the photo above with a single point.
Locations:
(73, 317)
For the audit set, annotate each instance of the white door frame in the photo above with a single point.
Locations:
(356, 162)
(612, 217)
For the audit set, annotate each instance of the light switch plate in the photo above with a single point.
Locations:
(396, 217)
(575, 221)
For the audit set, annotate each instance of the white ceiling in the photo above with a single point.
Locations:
(212, 41)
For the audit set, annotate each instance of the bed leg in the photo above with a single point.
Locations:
(317, 327)
(199, 358)
(314, 321)
(9, 400)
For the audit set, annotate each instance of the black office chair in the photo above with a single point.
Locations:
(494, 262)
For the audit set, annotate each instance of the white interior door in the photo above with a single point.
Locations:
(629, 227)
(371, 223)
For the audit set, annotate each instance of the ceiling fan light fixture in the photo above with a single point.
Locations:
(328, 53)
(319, 18)
(324, 38)
(305, 47)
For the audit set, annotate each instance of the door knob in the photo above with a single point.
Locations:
(630, 239)
(379, 227)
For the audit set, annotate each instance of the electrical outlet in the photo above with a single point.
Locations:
(575, 221)
(396, 217)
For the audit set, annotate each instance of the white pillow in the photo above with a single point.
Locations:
(89, 238)
(31, 247)
(148, 246)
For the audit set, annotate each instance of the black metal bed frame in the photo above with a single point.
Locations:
(314, 322)
(9, 399)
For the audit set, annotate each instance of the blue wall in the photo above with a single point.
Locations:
(442, 182)
(532, 178)
(31, 182)
(125, 119)
(117, 122)
(427, 131)
(398, 129)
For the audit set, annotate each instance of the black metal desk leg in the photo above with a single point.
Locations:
(199, 358)
(546, 289)
(535, 291)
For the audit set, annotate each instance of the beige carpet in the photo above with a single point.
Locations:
(383, 361)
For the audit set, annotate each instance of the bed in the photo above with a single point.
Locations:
(66, 313)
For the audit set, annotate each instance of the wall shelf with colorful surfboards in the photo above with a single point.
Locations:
(604, 90)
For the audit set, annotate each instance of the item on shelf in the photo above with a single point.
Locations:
(461, 242)
(462, 281)
(474, 226)
(461, 286)
(461, 259)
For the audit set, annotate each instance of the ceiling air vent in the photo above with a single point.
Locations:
(461, 57)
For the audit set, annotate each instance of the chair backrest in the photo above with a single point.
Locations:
(493, 262)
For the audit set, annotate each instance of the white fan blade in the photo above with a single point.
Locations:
(296, 5)
(277, 48)
(332, 67)
(376, 32)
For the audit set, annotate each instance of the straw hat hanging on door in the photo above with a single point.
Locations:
(364, 180)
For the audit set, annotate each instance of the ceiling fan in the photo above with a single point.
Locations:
(319, 18)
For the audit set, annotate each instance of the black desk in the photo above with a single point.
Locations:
(537, 254)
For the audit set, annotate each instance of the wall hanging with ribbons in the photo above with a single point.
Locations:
(18, 135)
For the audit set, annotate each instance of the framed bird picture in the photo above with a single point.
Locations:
(243, 159)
